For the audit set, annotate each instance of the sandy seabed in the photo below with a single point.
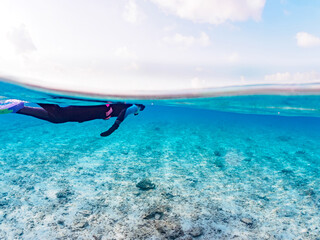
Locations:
(215, 175)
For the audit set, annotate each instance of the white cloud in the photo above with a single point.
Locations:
(170, 28)
(132, 13)
(213, 11)
(233, 58)
(307, 40)
(124, 53)
(204, 39)
(21, 40)
(128, 58)
(188, 41)
(199, 69)
(132, 66)
(299, 77)
(197, 83)
(180, 39)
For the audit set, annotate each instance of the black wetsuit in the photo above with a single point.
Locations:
(56, 114)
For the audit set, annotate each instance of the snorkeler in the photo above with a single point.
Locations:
(56, 114)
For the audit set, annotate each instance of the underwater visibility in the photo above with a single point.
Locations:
(229, 167)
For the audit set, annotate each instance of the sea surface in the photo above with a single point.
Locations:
(238, 167)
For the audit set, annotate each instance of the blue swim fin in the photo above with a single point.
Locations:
(10, 106)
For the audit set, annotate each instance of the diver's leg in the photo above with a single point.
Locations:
(55, 114)
(35, 112)
(49, 112)
(50, 108)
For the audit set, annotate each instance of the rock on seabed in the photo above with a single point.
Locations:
(145, 185)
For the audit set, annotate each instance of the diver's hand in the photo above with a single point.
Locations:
(106, 133)
(110, 130)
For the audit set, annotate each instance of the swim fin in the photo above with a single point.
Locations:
(10, 106)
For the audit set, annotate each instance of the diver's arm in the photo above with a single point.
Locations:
(112, 129)
(123, 114)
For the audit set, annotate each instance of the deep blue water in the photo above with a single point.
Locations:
(217, 175)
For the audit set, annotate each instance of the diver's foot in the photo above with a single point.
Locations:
(10, 106)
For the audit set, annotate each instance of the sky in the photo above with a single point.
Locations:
(115, 46)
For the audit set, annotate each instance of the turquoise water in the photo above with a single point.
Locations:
(217, 174)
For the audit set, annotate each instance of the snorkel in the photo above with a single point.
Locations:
(137, 112)
(140, 108)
